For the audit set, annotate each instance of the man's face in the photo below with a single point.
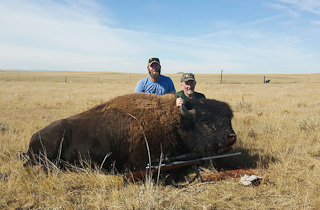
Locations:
(188, 86)
(154, 71)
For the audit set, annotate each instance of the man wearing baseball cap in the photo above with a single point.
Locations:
(188, 84)
(155, 82)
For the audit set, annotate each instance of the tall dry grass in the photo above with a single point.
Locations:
(278, 134)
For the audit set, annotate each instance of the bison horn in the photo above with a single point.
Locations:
(186, 112)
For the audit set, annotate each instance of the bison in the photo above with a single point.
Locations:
(126, 127)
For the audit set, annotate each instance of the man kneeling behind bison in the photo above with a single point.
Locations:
(122, 126)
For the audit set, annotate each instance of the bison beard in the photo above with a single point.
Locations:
(121, 125)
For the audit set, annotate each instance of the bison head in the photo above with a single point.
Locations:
(208, 123)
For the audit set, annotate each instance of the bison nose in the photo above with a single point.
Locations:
(232, 138)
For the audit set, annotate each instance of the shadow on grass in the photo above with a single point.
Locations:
(245, 160)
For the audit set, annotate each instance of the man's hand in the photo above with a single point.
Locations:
(179, 101)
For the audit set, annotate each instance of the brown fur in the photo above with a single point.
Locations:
(121, 126)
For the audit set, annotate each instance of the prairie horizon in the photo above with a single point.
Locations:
(120, 77)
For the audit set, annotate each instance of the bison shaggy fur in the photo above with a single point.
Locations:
(125, 125)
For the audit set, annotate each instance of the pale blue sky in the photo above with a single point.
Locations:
(203, 36)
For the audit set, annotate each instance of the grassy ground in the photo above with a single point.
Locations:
(277, 126)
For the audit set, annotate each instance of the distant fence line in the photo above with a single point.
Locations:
(7, 76)
(65, 79)
(51, 79)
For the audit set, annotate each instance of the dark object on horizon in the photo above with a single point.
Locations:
(265, 81)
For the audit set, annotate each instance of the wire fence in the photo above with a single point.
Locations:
(125, 78)
(69, 77)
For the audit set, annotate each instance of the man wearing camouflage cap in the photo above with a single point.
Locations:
(188, 84)
(155, 82)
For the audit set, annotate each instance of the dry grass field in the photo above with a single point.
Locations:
(278, 135)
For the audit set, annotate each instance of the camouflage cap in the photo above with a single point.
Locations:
(153, 60)
(187, 77)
